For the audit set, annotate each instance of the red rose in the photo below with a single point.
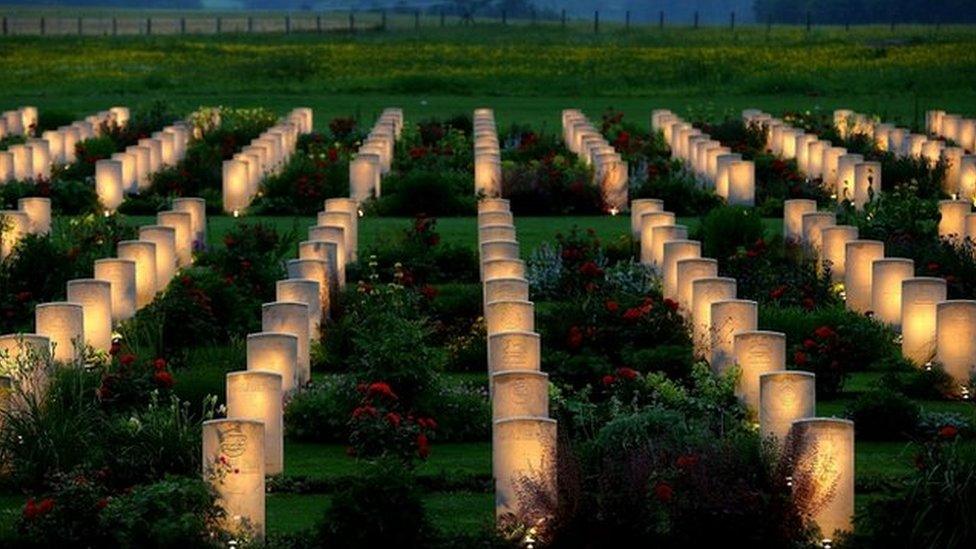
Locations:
(45, 506)
(686, 461)
(431, 424)
(608, 380)
(823, 332)
(115, 348)
(159, 364)
(575, 338)
(933, 267)
(671, 304)
(777, 292)
(948, 432)
(632, 314)
(127, 359)
(627, 373)
(799, 358)
(423, 446)
(591, 269)
(30, 509)
(663, 492)
(429, 292)
(101, 504)
(363, 411)
(808, 303)
(612, 306)
(393, 419)
(380, 388)
(163, 379)
(809, 343)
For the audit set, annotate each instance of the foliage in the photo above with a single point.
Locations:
(379, 508)
(175, 511)
(68, 513)
(776, 273)
(318, 170)
(553, 183)
(424, 190)
(883, 414)
(726, 230)
(931, 510)
(679, 190)
(380, 429)
(68, 197)
(422, 258)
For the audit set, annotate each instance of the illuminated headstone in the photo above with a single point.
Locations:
(513, 351)
(165, 240)
(952, 223)
(143, 253)
(756, 353)
(728, 318)
(675, 251)
(290, 318)
(257, 395)
(858, 272)
(519, 393)
(834, 253)
(785, 396)
(64, 325)
(523, 451)
(275, 352)
(825, 459)
(955, 349)
(638, 208)
(793, 211)
(886, 279)
(197, 208)
(705, 292)
(182, 223)
(233, 464)
(95, 298)
(688, 271)
(121, 275)
(304, 291)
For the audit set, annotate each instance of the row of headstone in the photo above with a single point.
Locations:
(17, 122)
(720, 170)
(960, 162)
(932, 327)
(375, 156)
(846, 175)
(264, 156)
(487, 155)
(523, 434)
(240, 450)
(33, 159)
(957, 128)
(129, 171)
(725, 332)
(610, 170)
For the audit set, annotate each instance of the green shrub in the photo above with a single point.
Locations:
(174, 511)
(680, 192)
(725, 230)
(924, 384)
(423, 191)
(380, 508)
(883, 414)
(321, 413)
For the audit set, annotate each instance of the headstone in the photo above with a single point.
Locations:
(95, 298)
(955, 349)
(165, 240)
(304, 291)
(64, 325)
(825, 450)
(519, 393)
(290, 318)
(233, 464)
(523, 452)
(257, 395)
(756, 353)
(919, 298)
(728, 318)
(182, 223)
(886, 277)
(275, 352)
(784, 397)
(860, 256)
(705, 292)
(143, 253)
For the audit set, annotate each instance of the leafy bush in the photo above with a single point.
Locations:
(883, 415)
(427, 191)
(175, 511)
(678, 189)
(67, 513)
(421, 257)
(321, 413)
(726, 230)
(314, 173)
(379, 508)
(774, 273)
(67, 197)
(554, 184)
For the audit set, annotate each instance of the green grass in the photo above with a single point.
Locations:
(527, 77)
(325, 461)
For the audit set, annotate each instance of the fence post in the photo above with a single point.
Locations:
(696, 19)
(182, 25)
(5, 25)
(533, 16)
(769, 22)
(562, 18)
(383, 19)
(442, 17)
(148, 26)
(43, 26)
(352, 21)
(808, 20)
(660, 19)
(504, 17)
(596, 21)
(892, 24)
(318, 24)
(250, 24)
(81, 27)
(287, 24)
(627, 20)
(115, 26)
(732, 21)
(416, 19)
(220, 24)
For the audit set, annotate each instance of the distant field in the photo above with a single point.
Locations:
(526, 73)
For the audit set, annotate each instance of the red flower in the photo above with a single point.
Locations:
(45, 506)
(687, 461)
(809, 343)
(393, 419)
(663, 492)
(380, 388)
(948, 432)
(575, 338)
(423, 446)
(30, 509)
(808, 303)
(428, 292)
(127, 359)
(608, 380)
(591, 269)
(364, 411)
(612, 305)
(627, 373)
(101, 504)
(633, 314)
(671, 304)
(163, 379)
(934, 267)
(823, 332)
(23, 296)
(428, 423)
(799, 358)
(777, 292)
(159, 364)
(115, 348)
